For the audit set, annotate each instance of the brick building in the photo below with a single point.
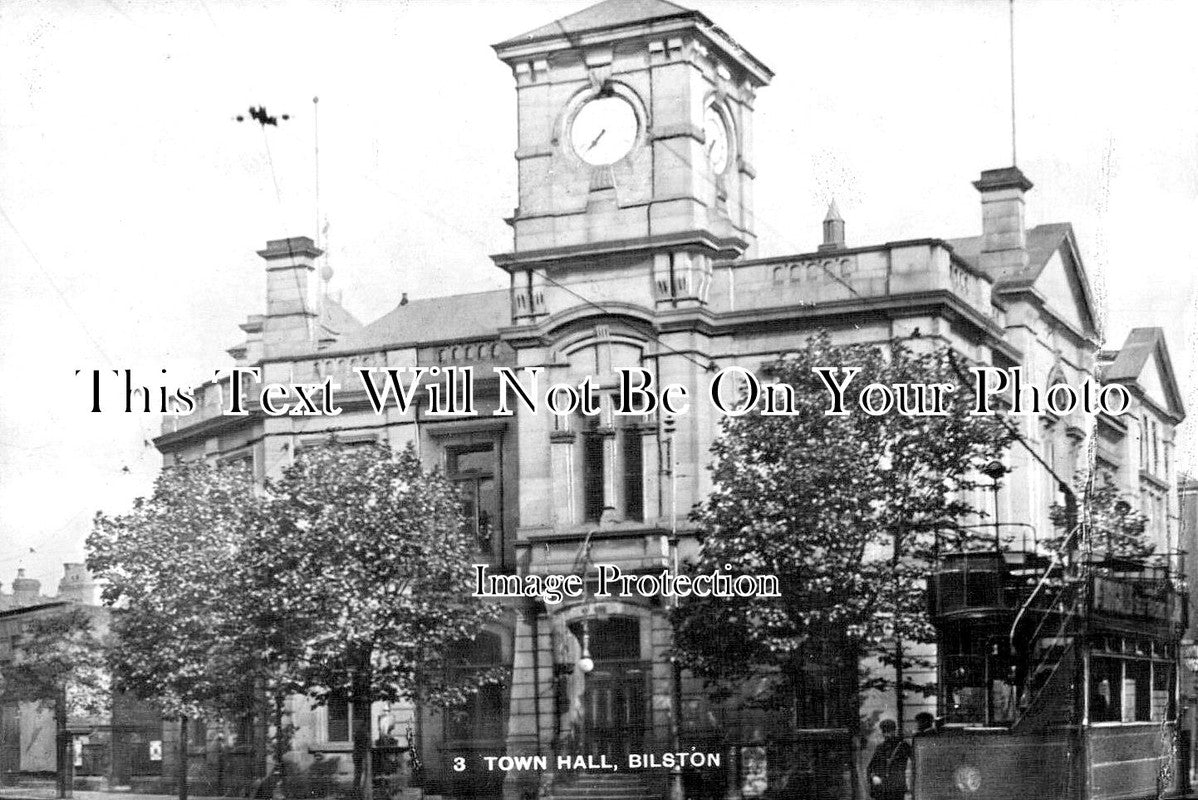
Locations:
(122, 748)
(634, 245)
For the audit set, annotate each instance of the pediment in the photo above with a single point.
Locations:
(1065, 289)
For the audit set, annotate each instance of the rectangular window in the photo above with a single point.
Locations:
(481, 718)
(634, 493)
(474, 470)
(244, 732)
(592, 477)
(1137, 695)
(1143, 442)
(197, 731)
(1106, 689)
(1155, 447)
(1162, 691)
(337, 729)
(240, 462)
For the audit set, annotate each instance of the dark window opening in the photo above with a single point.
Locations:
(337, 729)
(482, 715)
(1106, 690)
(634, 494)
(615, 639)
(592, 477)
(197, 732)
(1163, 705)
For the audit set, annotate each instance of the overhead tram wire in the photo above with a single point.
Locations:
(49, 279)
(54, 285)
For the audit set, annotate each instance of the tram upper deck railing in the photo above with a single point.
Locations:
(984, 582)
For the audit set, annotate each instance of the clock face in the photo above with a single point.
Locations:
(604, 130)
(715, 134)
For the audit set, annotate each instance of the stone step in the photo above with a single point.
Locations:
(591, 791)
(603, 786)
(599, 794)
(609, 779)
(614, 780)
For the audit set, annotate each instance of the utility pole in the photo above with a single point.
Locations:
(669, 427)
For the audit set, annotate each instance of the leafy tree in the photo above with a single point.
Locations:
(61, 663)
(843, 509)
(370, 560)
(170, 569)
(1115, 527)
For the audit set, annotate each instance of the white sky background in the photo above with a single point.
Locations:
(135, 203)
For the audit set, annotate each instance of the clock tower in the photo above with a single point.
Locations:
(634, 152)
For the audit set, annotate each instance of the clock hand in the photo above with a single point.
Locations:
(596, 141)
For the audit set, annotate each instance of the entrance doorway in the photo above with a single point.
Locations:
(614, 703)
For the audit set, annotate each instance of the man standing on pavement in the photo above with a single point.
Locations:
(888, 768)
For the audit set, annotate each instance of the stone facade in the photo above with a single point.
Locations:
(647, 262)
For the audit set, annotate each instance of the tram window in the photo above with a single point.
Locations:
(1002, 701)
(981, 588)
(951, 587)
(1137, 700)
(1106, 681)
(1162, 692)
(965, 688)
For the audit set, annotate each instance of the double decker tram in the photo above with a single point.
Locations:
(1058, 678)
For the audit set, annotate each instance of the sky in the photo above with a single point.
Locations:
(132, 202)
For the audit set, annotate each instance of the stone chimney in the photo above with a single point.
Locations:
(289, 325)
(833, 229)
(1004, 235)
(25, 591)
(76, 585)
(250, 351)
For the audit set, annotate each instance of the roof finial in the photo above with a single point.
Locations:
(833, 229)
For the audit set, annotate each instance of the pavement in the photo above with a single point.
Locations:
(48, 791)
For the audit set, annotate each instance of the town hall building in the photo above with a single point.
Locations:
(634, 245)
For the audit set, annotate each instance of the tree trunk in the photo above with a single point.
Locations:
(183, 758)
(853, 718)
(899, 700)
(899, 708)
(280, 747)
(62, 740)
(360, 722)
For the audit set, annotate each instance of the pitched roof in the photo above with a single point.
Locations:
(433, 319)
(336, 319)
(607, 14)
(1042, 242)
(1127, 363)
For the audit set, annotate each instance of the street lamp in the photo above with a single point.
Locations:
(995, 470)
(669, 426)
(585, 662)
